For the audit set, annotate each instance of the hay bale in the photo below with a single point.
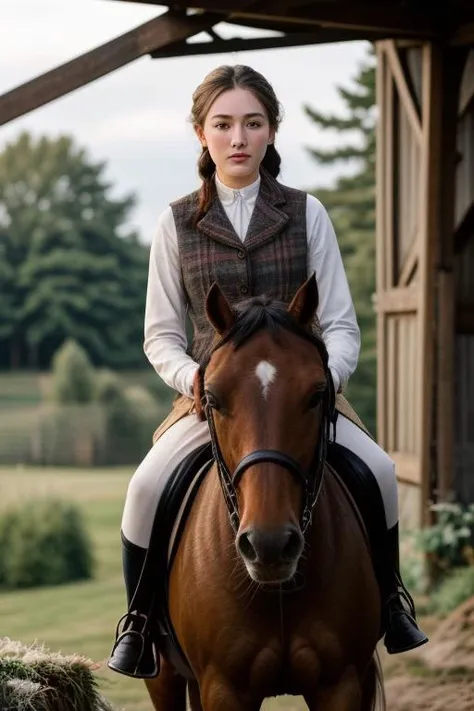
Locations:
(34, 679)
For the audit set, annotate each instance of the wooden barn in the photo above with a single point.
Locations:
(425, 200)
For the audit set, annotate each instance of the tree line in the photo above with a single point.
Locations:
(351, 205)
(70, 269)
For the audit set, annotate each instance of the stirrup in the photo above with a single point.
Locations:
(138, 655)
(126, 622)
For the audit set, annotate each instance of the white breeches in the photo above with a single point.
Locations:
(189, 433)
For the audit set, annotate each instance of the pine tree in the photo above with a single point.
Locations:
(68, 267)
(351, 206)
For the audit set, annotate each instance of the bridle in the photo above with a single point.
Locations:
(311, 480)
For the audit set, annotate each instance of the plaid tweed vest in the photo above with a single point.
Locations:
(272, 260)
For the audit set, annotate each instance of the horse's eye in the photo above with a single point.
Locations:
(315, 400)
(212, 400)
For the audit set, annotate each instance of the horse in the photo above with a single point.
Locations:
(272, 590)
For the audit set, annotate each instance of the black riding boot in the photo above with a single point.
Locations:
(134, 652)
(401, 630)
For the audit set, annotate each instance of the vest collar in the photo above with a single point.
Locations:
(267, 218)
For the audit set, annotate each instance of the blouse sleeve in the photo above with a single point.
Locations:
(165, 312)
(335, 311)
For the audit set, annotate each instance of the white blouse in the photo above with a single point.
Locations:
(165, 314)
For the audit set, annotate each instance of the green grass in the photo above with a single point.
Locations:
(23, 387)
(81, 618)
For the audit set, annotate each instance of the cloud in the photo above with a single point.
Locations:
(135, 119)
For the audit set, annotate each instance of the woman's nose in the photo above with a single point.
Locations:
(238, 138)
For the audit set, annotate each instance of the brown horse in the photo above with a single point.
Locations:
(272, 590)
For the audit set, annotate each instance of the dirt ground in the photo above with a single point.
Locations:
(440, 675)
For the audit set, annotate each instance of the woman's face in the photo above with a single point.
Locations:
(236, 132)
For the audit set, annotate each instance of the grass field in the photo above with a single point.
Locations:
(81, 618)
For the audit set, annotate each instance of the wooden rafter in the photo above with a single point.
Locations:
(324, 33)
(390, 20)
(240, 44)
(160, 32)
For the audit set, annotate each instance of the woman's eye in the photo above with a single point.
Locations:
(221, 126)
(254, 124)
(315, 400)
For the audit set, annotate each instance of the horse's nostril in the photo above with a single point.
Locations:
(293, 545)
(275, 547)
(245, 547)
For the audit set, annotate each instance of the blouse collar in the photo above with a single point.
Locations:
(228, 195)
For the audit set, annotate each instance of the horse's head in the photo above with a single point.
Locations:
(267, 386)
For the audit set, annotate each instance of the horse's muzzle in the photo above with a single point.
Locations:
(271, 556)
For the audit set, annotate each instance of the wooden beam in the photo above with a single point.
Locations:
(159, 32)
(403, 300)
(407, 467)
(464, 230)
(409, 263)
(452, 61)
(328, 34)
(239, 44)
(391, 20)
(432, 98)
(380, 206)
(407, 95)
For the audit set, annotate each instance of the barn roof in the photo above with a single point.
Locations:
(293, 22)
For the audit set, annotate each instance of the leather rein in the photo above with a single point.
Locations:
(311, 480)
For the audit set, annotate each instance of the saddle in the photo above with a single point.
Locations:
(177, 499)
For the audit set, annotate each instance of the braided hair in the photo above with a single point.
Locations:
(225, 78)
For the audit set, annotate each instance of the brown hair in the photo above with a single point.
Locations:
(222, 79)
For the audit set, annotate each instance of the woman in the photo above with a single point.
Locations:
(252, 235)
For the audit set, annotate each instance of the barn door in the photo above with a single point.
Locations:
(414, 215)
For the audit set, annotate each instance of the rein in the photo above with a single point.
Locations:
(311, 480)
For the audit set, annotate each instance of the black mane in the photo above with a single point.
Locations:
(263, 313)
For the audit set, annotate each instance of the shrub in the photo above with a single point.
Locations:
(44, 542)
(452, 591)
(449, 543)
(73, 374)
(131, 414)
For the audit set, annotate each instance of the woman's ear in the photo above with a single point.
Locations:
(200, 134)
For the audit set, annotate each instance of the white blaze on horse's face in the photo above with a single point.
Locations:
(266, 373)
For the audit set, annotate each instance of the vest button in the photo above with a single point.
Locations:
(241, 254)
(244, 289)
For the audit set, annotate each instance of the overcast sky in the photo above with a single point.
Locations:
(136, 118)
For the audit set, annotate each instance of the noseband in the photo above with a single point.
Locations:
(311, 480)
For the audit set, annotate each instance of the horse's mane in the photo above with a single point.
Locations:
(263, 313)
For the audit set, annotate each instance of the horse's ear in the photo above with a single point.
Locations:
(218, 310)
(305, 302)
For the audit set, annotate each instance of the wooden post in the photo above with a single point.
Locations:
(381, 243)
(453, 61)
(429, 222)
